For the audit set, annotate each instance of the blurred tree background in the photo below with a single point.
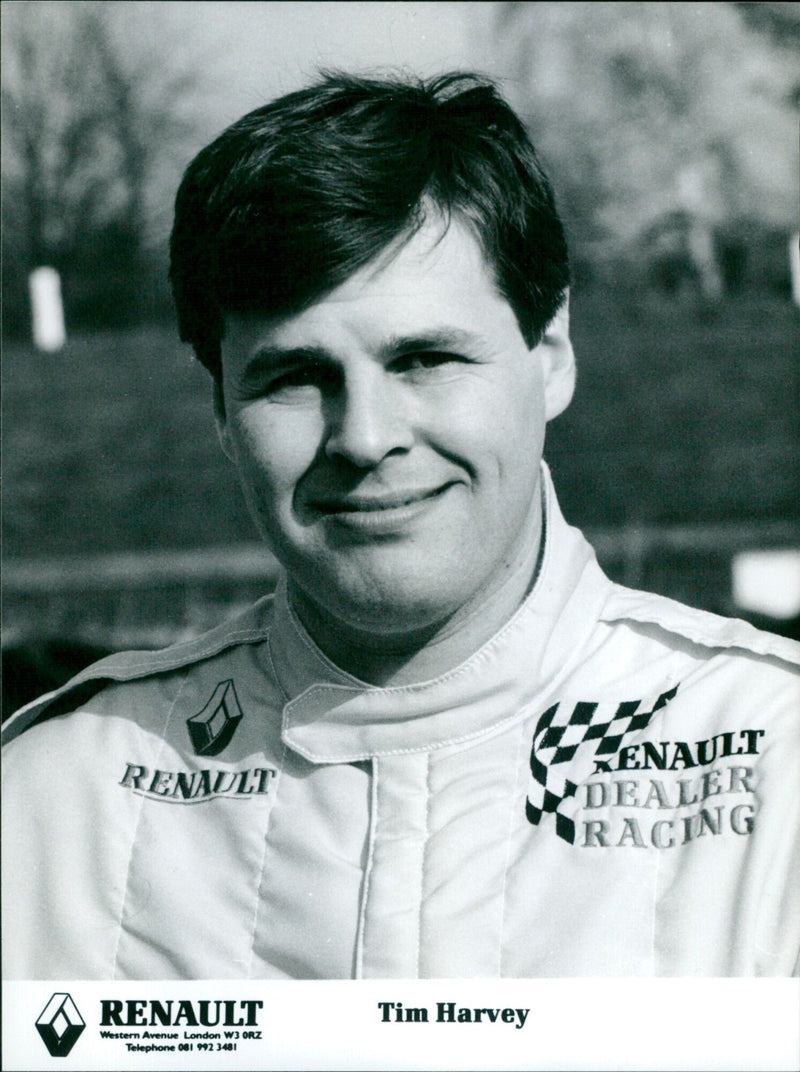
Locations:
(672, 128)
(94, 122)
(670, 132)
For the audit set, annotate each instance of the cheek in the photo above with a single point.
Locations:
(498, 426)
(275, 446)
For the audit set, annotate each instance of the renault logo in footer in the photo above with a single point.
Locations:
(60, 1025)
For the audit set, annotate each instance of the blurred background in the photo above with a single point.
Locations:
(670, 133)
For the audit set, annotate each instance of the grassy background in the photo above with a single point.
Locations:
(682, 414)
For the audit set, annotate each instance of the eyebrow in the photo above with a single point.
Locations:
(271, 358)
(445, 338)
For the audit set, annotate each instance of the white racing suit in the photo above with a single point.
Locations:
(609, 786)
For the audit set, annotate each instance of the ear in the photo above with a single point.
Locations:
(558, 363)
(221, 420)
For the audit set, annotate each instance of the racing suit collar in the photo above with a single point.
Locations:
(332, 717)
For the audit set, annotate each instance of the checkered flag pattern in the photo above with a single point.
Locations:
(571, 742)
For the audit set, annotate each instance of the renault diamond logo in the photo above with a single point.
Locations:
(212, 728)
(60, 1025)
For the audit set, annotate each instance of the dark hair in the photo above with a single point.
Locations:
(296, 196)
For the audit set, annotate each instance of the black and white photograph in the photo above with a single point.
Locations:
(401, 535)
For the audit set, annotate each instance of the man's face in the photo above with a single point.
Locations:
(388, 437)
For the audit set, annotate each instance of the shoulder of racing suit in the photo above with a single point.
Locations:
(669, 621)
(665, 622)
(250, 627)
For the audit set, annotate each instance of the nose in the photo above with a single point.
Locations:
(367, 420)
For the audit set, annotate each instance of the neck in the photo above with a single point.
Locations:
(420, 655)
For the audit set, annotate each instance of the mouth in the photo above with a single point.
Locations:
(370, 504)
(379, 513)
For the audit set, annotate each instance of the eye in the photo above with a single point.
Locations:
(316, 376)
(424, 360)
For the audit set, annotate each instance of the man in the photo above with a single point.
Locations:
(449, 746)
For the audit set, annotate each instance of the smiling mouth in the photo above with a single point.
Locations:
(379, 514)
(376, 504)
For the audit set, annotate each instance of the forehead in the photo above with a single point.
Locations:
(437, 277)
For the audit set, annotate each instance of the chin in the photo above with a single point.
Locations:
(387, 605)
